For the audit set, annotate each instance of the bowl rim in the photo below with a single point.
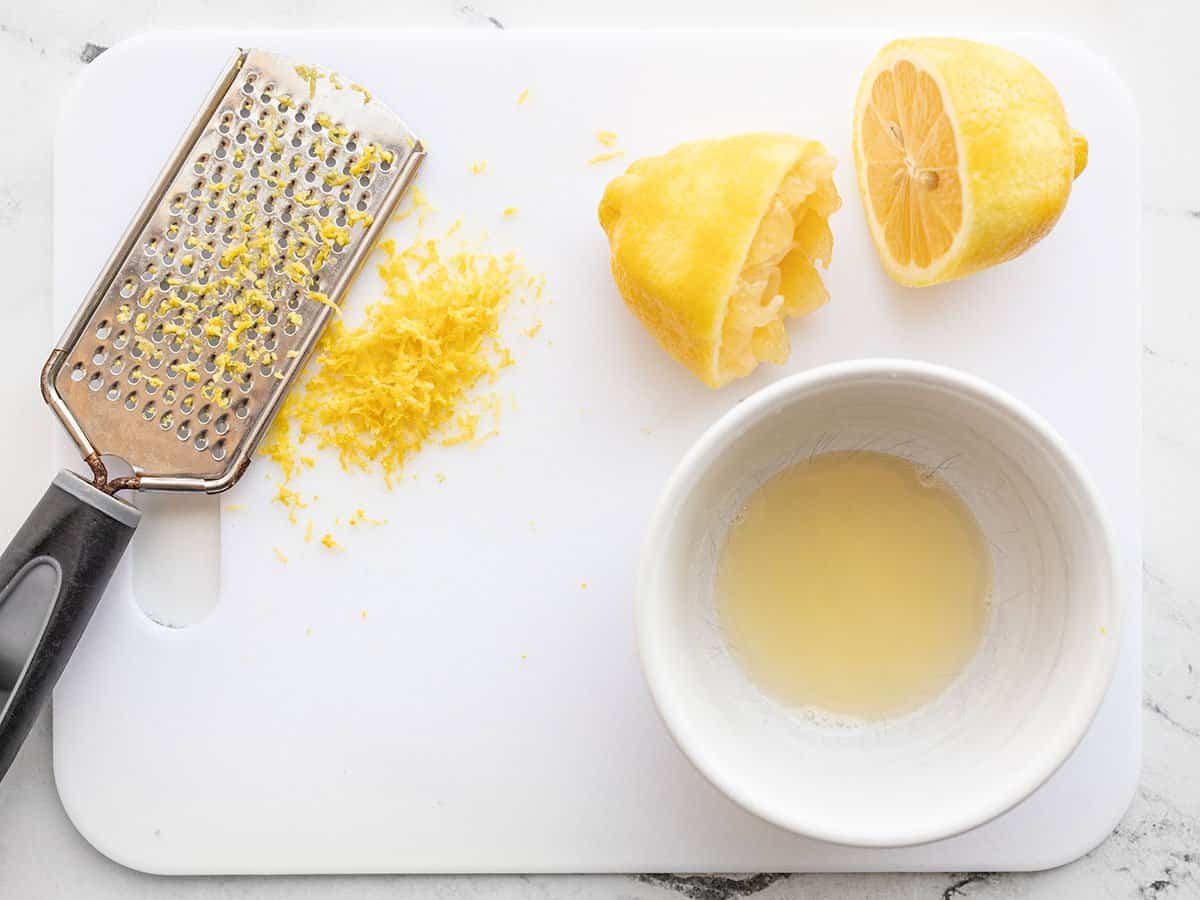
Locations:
(717, 439)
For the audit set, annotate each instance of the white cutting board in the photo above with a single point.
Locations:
(489, 714)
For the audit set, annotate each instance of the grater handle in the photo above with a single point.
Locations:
(76, 535)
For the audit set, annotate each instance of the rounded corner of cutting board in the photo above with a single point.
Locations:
(1097, 831)
(98, 822)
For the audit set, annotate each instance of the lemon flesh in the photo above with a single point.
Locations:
(715, 243)
(964, 157)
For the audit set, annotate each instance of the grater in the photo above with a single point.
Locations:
(191, 335)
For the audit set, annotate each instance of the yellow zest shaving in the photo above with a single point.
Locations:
(479, 167)
(510, 211)
(607, 138)
(360, 517)
(366, 95)
(522, 97)
(605, 157)
(312, 76)
(534, 329)
(328, 541)
(279, 555)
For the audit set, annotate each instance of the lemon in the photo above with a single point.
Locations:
(964, 157)
(715, 243)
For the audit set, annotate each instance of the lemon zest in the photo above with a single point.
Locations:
(378, 392)
(312, 75)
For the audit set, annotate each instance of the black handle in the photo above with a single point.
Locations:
(79, 534)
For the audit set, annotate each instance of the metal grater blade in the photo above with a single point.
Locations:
(217, 293)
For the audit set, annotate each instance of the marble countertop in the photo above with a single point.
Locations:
(1153, 852)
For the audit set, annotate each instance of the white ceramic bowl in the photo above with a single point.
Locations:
(1020, 706)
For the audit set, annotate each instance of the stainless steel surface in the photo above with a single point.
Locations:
(211, 303)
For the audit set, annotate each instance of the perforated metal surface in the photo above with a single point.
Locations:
(221, 286)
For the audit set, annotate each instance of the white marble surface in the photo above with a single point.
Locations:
(1155, 851)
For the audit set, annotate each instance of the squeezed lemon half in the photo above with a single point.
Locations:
(715, 243)
(964, 157)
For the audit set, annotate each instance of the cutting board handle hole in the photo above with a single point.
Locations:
(176, 556)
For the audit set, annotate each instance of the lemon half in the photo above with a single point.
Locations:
(964, 157)
(715, 243)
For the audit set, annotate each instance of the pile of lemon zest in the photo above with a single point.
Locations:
(522, 97)
(366, 95)
(380, 391)
(607, 138)
(510, 211)
(279, 555)
(328, 541)
(605, 157)
(312, 76)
